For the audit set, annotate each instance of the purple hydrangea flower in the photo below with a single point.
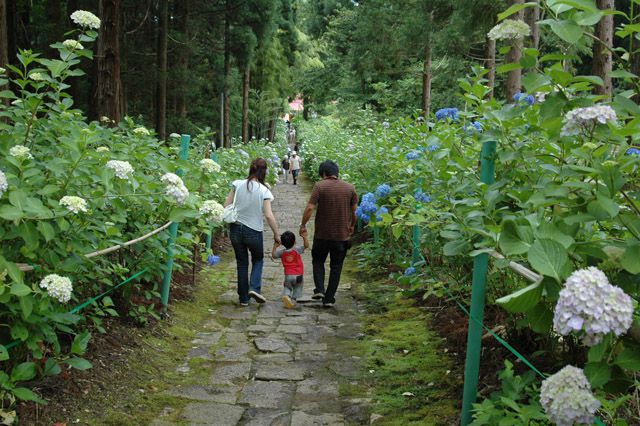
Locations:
(212, 259)
(590, 305)
(409, 271)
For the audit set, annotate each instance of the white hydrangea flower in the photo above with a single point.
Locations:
(509, 29)
(142, 131)
(174, 135)
(105, 119)
(212, 210)
(20, 152)
(175, 188)
(4, 185)
(122, 169)
(244, 153)
(209, 166)
(85, 19)
(74, 204)
(57, 287)
(102, 149)
(581, 119)
(72, 44)
(589, 303)
(567, 399)
(37, 76)
(540, 96)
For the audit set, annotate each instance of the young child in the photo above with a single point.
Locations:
(293, 266)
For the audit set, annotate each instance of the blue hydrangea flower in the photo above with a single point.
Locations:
(380, 212)
(383, 190)
(385, 124)
(443, 113)
(523, 98)
(633, 151)
(413, 155)
(433, 147)
(369, 198)
(421, 197)
(409, 271)
(361, 215)
(212, 259)
(368, 207)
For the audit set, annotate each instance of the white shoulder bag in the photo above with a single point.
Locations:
(230, 214)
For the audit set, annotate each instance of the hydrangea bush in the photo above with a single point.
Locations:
(96, 186)
(565, 203)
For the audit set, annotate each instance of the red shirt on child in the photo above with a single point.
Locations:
(292, 262)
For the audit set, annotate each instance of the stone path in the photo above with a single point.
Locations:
(276, 366)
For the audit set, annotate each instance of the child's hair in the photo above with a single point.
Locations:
(288, 239)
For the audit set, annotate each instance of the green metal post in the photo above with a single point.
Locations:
(376, 233)
(480, 267)
(214, 157)
(173, 231)
(416, 236)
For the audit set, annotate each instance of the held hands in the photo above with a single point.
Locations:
(303, 231)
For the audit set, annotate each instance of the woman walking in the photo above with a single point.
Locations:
(252, 201)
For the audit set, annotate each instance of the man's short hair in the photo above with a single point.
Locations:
(288, 239)
(328, 168)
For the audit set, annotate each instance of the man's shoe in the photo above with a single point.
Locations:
(317, 296)
(327, 305)
(288, 303)
(257, 297)
(244, 304)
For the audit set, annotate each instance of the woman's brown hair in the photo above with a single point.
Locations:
(257, 170)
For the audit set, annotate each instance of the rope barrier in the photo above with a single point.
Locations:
(25, 268)
(522, 270)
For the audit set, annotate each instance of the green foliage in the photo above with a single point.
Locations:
(516, 403)
(48, 152)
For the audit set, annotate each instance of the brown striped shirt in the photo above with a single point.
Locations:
(335, 200)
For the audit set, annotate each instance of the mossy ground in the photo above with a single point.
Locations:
(141, 394)
(402, 354)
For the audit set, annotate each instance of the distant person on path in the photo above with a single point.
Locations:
(285, 168)
(335, 202)
(293, 266)
(294, 163)
(252, 201)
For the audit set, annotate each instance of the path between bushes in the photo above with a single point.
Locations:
(274, 366)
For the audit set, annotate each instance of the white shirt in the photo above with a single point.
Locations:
(249, 203)
(294, 163)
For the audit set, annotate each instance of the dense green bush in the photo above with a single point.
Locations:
(69, 187)
(565, 199)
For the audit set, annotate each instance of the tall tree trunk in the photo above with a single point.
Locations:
(602, 60)
(532, 16)
(426, 80)
(4, 34)
(491, 66)
(245, 103)
(227, 72)
(514, 78)
(161, 80)
(182, 10)
(108, 85)
(54, 26)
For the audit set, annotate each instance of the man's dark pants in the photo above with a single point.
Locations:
(337, 250)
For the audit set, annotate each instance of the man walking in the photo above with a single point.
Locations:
(294, 163)
(336, 202)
